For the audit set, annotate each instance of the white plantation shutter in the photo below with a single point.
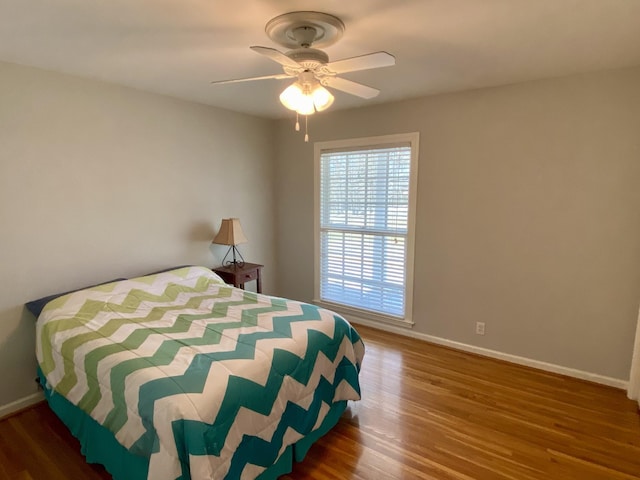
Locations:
(364, 226)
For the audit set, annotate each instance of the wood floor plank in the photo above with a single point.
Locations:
(428, 413)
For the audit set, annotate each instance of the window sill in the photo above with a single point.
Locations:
(356, 315)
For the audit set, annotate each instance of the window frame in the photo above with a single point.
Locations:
(365, 143)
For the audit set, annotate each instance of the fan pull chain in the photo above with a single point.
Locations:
(297, 123)
(306, 128)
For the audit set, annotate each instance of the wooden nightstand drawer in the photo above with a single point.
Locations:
(238, 275)
(248, 276)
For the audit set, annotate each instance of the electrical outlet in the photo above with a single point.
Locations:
(479, 328)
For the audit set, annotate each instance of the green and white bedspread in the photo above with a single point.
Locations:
(207, 380)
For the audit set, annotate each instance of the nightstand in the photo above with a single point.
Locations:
(239, 275)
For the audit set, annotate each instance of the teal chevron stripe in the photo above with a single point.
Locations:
(253, 449)
(167, 351)
(169, 348)
(134, 340)
(92, 359)
(68, 348)
(137, 337)
(242, 392)
(91, 308)
(257, 451)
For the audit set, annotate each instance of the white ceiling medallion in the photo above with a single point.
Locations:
(319, 29)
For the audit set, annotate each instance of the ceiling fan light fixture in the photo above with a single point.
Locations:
(292, 96)
(306, 99)
(322, 98)
(305, 105)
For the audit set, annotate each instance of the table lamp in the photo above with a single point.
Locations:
(231, 234)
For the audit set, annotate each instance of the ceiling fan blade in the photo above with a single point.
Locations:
(250, 79)
(354, 88)
(276, 56)
(363, 62)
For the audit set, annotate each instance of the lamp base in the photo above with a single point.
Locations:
(234, 262)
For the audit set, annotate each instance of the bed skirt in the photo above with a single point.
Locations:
(98, 445)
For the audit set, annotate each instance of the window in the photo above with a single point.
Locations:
(365, 210)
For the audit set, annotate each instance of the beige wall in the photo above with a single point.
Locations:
(528, 214)
(528, 205)
(99, 181)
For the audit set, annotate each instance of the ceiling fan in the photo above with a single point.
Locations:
(304, 33)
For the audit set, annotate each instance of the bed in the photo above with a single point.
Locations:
(177, 375)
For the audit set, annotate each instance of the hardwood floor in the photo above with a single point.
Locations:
(428, 412)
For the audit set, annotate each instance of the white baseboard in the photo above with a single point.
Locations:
(548, 367)
(34, 398)
(21, 403)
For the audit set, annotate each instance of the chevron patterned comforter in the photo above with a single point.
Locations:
(206, 380)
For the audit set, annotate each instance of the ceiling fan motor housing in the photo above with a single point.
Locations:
(309, 58)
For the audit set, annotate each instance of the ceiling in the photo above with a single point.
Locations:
(176, 47)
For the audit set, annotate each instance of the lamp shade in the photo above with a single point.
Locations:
(230, 233)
